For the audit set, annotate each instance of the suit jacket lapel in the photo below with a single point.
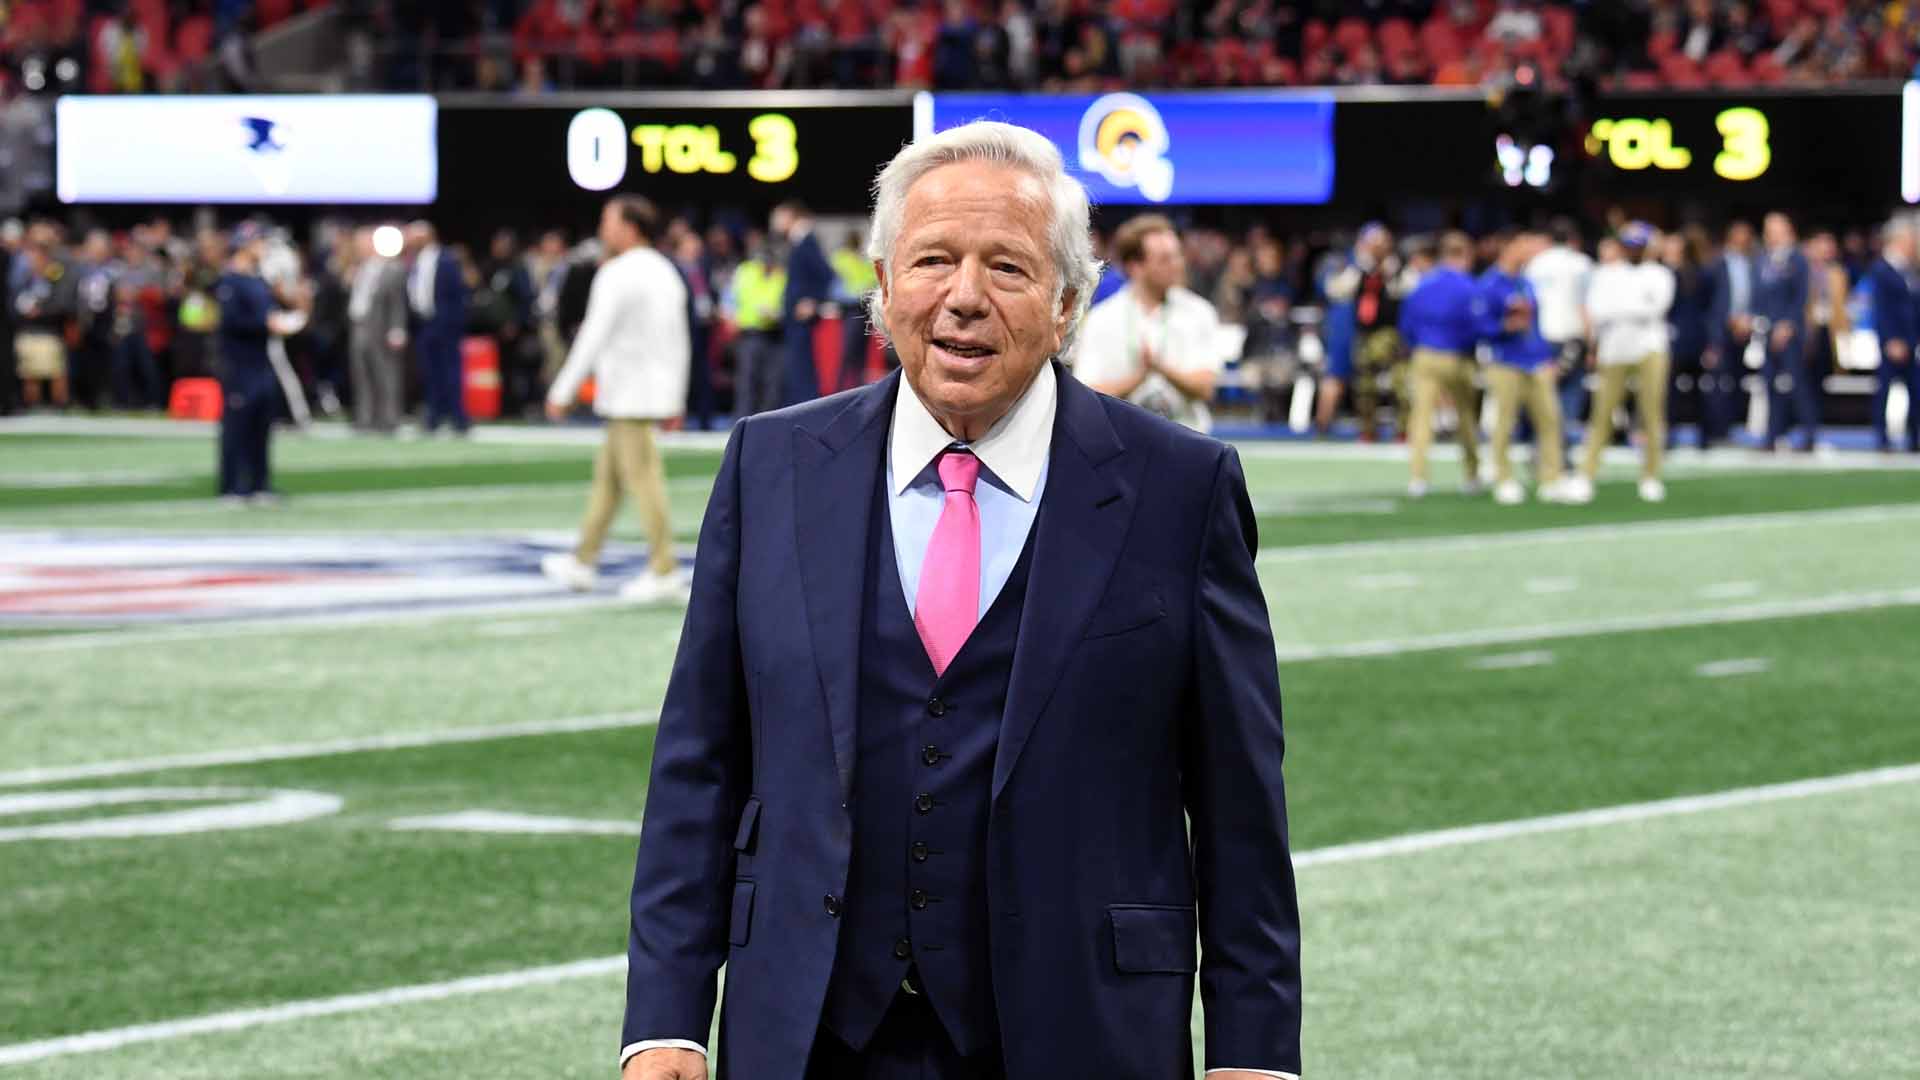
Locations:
(835, 473)
(1084, 514)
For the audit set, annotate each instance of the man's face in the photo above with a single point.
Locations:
(1900, 244)
(1740, 237)
(1161, 264)
(968, 293)
(616, 236)
(1779, 232)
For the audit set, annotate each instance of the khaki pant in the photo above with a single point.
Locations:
(1648, 378)
(1433, 372)
(1539, 392)
(39, 355)
(628, 461)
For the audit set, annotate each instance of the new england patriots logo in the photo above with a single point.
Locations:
(267, 155)
(260, 132)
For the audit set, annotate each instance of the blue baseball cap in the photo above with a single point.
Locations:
(1636, 234)
(247, 232)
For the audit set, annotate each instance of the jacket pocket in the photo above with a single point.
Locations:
(741, 921)
(1153, 938)
(743, 837)
(1118, 616)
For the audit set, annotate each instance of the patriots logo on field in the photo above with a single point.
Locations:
(101, 579)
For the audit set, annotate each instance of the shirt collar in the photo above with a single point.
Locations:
(1014, 449)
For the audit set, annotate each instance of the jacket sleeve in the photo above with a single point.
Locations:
(1799, 280)
(702, 771)
(1236, 800)
(602, 300)
(1490, 310)
(1719, 298)
(243, 311)
(1893, 317)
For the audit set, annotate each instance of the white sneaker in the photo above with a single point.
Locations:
(650, 588)
(1509, 493)
(562, 568)
(1416, 489)
(1652, 490)
(1575, 490)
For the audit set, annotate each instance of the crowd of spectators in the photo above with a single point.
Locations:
(132, 312)
(534, 46)
(531, 46)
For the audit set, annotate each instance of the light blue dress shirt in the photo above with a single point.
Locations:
(1013, 475)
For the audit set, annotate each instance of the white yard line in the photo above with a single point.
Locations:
(1607, 815)
(326, 748)
(1779, 609)
(1724, 669)
(558, 604)
(1511, 661)
(1588, 534)
(244, 1019)
(1411, 844)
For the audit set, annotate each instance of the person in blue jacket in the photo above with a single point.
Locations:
(1523, 373)
(1440, 320)
(1781, 300)
(250, 390)
(1896, 322)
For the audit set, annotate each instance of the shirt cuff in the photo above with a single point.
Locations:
(1259, 1072)
(628, 1051)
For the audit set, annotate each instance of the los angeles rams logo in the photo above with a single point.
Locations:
(1123, 139)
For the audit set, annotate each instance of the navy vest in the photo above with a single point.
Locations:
(922, 788)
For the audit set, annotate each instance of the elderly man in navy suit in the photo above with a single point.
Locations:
(810, 283)
(975, 724)
(1894, 320)
(438, 295)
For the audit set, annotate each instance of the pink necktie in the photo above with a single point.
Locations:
(949, 600)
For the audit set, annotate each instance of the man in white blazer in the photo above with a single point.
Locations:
(635, 343)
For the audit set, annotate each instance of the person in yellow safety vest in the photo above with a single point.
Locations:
(753, 301)
(856, 280)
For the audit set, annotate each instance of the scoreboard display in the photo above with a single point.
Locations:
(571, 152)
(1842, 147)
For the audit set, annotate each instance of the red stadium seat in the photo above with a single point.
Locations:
(194, 40)
(1661, 44)
(1641, 80)
(1396, 34)
(1352, 34)
(1314, 37)
(269, 12)
(1559, 28)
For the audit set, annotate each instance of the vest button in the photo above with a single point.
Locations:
(936, 708)
(931, 755)
(833, 906)
(903, 949)
(924, 804)
(918, 899)
(919, 851)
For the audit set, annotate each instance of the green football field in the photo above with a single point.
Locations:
(1575, 792)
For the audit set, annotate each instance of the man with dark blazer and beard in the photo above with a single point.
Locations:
(967, 651)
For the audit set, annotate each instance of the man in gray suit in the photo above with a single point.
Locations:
(377, 312)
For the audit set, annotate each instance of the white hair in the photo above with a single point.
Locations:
(1069, 229)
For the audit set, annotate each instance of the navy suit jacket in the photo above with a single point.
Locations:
(449, 319)
(1143, 691)
(809, 275)
(1781, 293)
(1893, 312)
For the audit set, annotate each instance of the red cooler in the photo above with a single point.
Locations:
(480, 377)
